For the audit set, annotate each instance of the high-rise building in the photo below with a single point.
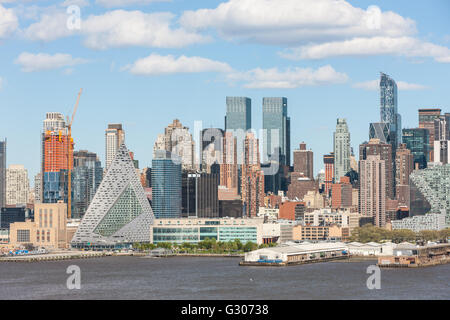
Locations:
(430, 192)
(381, 131)
(38, 188)
(389, 110)
(341, 149)
(2, 173)
(441, 151)
(275, 126)
(404, 165)
(114, 137)
(239, 113)
(372, 189)
(328, 161)
(178, 142)
(166, 186)
(252, 181)
(426, 121)
(56, 157)
(229, 165)
(120, 214)
(87, 175)
(200, 195)
(375, 147)
(304, 161)
(417, 140)
(211, 142)
(17, 185)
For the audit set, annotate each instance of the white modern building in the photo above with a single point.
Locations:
(429, 221)
(371, 248)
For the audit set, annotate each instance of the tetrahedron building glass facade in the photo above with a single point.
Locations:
(120, 213)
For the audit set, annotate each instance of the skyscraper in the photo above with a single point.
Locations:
(239, 113)
(166, 186)
(304, 161)
(55, 158)
(404, 165)
(328, 161)
(2, 173)
(200, 195)
(426, 121)
(389, 110)
(341, 149)
(87, 175)
(17, 185)
(275, 124)
(229, 166)
(178, 142)
(114, 137)
(381, 131)
(417, 140)
(211, 142)
(372, 189)
(384, 150)
(252, 180)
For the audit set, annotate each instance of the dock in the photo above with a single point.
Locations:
(54, 256)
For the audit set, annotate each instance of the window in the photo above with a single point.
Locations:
(23, 235)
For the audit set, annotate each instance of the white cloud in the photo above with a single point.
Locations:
(291, 22)
(123, 3)
(155, 64)
(118, 28)
(8, 21)
(80, 3)
(403, 46)
(290, 78)
(374, 85)
(42, 61)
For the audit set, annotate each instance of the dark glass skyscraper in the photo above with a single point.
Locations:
(2, 173)
(276, 125)
(239, 113)
(87, 175)
(417, 140)
(200, 195)
(389, 110)
(166, 186)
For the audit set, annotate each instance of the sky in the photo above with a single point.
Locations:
(143, 63)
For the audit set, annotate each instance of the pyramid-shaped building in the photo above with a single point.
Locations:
(120, 213)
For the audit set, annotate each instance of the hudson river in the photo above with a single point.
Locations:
(216, 278)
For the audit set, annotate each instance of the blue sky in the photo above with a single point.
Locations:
(144, 63)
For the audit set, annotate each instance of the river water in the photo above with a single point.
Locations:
(216, 278)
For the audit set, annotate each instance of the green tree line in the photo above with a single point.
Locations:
(369, 233)
(208, 245)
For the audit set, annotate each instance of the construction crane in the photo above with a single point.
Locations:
(70, 145)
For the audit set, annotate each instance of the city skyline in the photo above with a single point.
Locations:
(113, 95)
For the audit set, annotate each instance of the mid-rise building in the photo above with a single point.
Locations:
(341, 149)
(328, 160)
(430, 192)
(304, 161)
(441, 151)
(341, 194)
(17, 185)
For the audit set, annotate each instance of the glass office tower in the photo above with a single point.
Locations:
(417, 140)
(239, 113)
(276, 125)
(389, 110)
(166, 186)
